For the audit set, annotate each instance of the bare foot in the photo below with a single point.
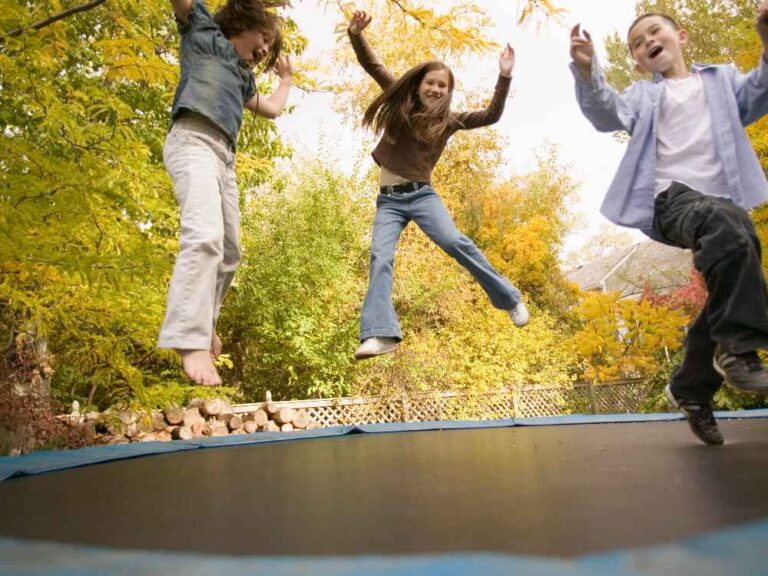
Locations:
(215, 346)
(198, 365)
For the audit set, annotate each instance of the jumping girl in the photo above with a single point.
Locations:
(413, 116)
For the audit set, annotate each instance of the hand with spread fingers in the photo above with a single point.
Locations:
(582, 50)
(507, 61)
(359, 21)
(283, 67)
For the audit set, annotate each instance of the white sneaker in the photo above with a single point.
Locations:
(519, 315)
(376, 346)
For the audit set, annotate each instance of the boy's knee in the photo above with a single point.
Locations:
(723, 234)
(210, 244)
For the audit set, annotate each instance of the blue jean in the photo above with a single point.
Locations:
(393, 213)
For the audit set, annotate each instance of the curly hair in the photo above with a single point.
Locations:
(238, 16)
(399, 111)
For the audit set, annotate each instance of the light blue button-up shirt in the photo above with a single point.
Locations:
(734, 100)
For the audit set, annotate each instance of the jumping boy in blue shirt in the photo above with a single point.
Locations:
(687, 178)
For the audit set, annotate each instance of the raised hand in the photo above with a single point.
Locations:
(762, 25)
(507, 61)
(359, 21)
(582, 50)
(283, 67)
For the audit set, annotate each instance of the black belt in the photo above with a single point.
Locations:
(393, 189)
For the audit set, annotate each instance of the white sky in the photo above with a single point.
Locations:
(543, 109)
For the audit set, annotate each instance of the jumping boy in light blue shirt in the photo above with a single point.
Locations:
(687, 178)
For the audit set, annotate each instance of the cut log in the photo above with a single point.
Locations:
(260, 417)
(174, 416)
(301, 419)
(218, 429)
(313, 426)
(250, 427)
(283, 416)
(145, 425)
(212, 407)
(149, 437)
(192, 416)
(128, 417)
(164, 436)
(158, 422)
(270, 408)
(240, 430)
(183, 433)
(287, 427)
(195, 402)
(225, 417)
(271, 426)
(235, 422)
(200, 429)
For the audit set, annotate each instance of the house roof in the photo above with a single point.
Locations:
(628, 271)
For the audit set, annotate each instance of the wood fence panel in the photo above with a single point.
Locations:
(525, 402)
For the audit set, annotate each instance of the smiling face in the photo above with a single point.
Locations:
(656, 45)
(252, 46)
(435, 85)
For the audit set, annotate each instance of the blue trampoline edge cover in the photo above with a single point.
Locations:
(49, 461)
(735, 551)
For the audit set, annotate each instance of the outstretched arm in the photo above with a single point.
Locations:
(182, 9)
(493, 112)
(751, 89)
(365, 54)
(604, 107)
(273, 105)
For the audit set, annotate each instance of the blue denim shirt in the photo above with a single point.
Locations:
(214, 81)
(734, 100)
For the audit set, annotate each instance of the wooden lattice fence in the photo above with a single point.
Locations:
(624, 396)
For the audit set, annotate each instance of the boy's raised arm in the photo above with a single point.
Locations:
(182, 8)
(751, 89)
(604, 107)
(273, 105)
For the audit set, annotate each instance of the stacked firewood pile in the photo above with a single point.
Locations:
(211, 417)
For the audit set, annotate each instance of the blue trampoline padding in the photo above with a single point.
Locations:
(49, 461)
(735, 551)
(625, 418)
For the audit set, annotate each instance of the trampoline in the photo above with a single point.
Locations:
(538, 496)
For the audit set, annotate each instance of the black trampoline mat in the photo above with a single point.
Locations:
(550, 491)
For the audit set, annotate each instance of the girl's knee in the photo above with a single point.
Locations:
(452, 243)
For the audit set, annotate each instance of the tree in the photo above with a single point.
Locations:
(624, 338)
(291, 320)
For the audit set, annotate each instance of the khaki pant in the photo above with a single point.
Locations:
(201, 164)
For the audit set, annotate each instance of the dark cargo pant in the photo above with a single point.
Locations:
(726, 251)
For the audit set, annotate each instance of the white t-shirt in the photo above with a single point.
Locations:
(685, 148)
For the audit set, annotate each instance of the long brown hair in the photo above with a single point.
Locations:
(398, 111)
(238, 16)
